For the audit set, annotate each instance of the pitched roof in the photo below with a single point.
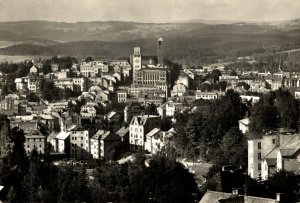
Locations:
(271, 161)
(62, 135)
(213, 196)
(245, 121)
(122, 131)
(290, 146)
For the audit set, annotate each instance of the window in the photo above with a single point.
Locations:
(259, 145)
(259, 167)
(274, 141)
(259, 155)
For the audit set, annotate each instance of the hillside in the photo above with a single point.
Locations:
(189, 41)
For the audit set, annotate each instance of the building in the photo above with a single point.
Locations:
(258, 148)
(139, 127)
(121, 96)
(80, 143)
(134, 109)
(156, 140)
(208, 95)
(136, 61)
(179, 90)
(288, 153)
(169, 108)
(103, 144)
(234, 197)
(88, 112)
(34, 139)
(244, 125)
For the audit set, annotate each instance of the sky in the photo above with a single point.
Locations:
(155, 11)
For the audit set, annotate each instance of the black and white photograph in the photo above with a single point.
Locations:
(149, 101)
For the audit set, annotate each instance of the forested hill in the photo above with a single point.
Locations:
(183, 41)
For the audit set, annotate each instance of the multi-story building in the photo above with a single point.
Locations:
(168, 109)
(121, 96)
(139, 127)
(103, 143)
(282, 145)
(208, 95)
(134, 109)
(93, 68)
(34, 84)
(88, 112)
(156, 140)
(75, 84)
(80, 143)
(34, 139)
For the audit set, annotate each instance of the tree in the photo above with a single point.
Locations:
(263, 118)
(286, 183)
(32, 97)
(89, 59)
(215, 74)
(165, 124)
(288, 109)
(169, 181)
(234, 146)
(244, 85)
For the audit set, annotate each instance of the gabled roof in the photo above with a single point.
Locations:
(271, 161)
(290, 146)
(245, 121)
(213, 196)
(122, 131)
(62, 135)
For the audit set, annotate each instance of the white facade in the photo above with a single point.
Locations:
(80, 146)
(139, 127)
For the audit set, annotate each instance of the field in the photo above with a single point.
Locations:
(16, 59)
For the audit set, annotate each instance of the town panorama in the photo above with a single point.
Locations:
(119, 111)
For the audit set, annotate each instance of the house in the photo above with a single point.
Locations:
(139, 127)
(208, 95)
(222, 197)
(123, 133)
(268, 164)
(156, 140)
(80, 143)
(179, 90)
(103, 144)
(33, 70)
(51, 121)
(288, 153)
(121, 96)
(88, 112)
(169, 108)
(244, 125)
(133, 109)
(34, 139)
(262, 149)
(63, 142)
(258, 148)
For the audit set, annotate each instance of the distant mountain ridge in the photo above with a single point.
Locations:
(194, 40)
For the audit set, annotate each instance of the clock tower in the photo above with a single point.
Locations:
(136, 61)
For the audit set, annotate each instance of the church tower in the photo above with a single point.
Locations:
(160, 51)
(136, 60)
